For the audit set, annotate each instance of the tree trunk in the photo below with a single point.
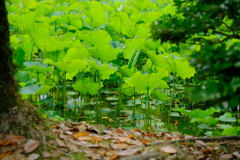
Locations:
(16, 115)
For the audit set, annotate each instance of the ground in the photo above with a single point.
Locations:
(70, 140)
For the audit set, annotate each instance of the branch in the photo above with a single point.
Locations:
(205, 139)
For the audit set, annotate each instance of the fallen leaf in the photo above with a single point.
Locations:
(4, 142)
(72, 147)
(54, 126)
(207, 150)
(124, 139)
(119, 146)
(33, 156)
(227, 156)
(5, 154)
(168, 149)
(131, 136)
(31, 145)
(14, 138)
(114, 157)
(91, 138)
(128, 152)
(144, 141)
(46, 155)
(82, 134)
(200, 143)
(119, 131)
(60, 143)
(5, 149)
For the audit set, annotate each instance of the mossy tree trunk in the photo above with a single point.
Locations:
(16, 115)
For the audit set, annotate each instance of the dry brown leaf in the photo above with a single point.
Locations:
(168, 149)
(144, 141)
(227, 156)
(60, 143)
(72, 147)
(124, 139)
(81, 134)
(207, 150)
(114, 157)
(63, 127)
(81, 128)
(128, 152)
(91, 138)
(119, 131)
(33, 156)
(14, 138)
(119, 146)
(31, 145)
(46, 154)
(54, 126)
(200, 143)
(5, 149)
(4, 142)
(5, 154)
(92, 154)
(79, 143)
(131, 136)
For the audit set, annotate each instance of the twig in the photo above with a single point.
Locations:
(205, 139)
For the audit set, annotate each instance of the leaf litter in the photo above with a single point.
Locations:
(70, 140)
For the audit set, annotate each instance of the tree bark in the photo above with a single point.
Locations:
(16, 115)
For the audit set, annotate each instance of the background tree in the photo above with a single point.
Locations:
(213, 26)
(16, 116)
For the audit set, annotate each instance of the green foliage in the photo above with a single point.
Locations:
(123, 49)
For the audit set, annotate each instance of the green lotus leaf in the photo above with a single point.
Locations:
(163, 84)
(132, 31)
(77, 53)
(151, 16)
(127, 90)
(32, 63)
(105, 53)
(227, 117)
(181, 67)
(125, 71)
(29, 4)
(36, 29)
(231, 131)
(96, 15)
(105, 70)
(38, 41)
(54, 56)
(24, 77)
(19, 56)
(40, 69)
(152, 45)
(88, 88)
(157, 60)
(74, 66)
(208, 120)
(28, 46)
(74, 20)
(132, 45)
(144, 83)
(53, 43)
(29, 18)
(197, 113)
(136, 16)
(96, 38)
(117, 44)
(44, 89)
(116, 24)
(30, 89)
(161, 96)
